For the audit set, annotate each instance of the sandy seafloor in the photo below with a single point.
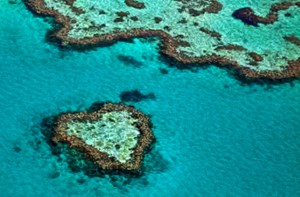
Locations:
(215, 136)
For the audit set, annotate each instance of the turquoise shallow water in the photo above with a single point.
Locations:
(215, 137)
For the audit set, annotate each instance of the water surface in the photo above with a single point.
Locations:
(215, 136)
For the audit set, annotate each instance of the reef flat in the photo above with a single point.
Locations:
(114, 137)
(260, 40)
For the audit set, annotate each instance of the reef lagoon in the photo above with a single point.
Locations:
(215, 135)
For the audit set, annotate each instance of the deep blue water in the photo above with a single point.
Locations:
(215, 136)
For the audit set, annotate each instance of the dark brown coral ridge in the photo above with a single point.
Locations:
(231, 47)
(211, 33)
(293, 39)
(292, 71)
(101, 159)
(248, 16)
(135, 4)
(169, 44)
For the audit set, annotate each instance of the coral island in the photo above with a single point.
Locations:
(115, 137)
(191, 31)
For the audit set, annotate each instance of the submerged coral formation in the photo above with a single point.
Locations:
(114, 137)
(197, 31)
(135, 96)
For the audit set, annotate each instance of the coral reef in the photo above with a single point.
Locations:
(293, 39)
(114, 137)
(247, 16)
(129, 60)
(135, 96)
(135, 4)
(198, 31)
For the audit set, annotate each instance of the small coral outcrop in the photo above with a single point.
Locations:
(246, 15)
(114, 137)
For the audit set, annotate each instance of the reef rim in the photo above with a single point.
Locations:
(101, 159)
(169, 44)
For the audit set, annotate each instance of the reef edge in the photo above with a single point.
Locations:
(169, 44)
(101, 159)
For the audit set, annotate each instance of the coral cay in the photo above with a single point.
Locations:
(114, 137)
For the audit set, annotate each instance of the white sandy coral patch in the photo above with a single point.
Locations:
(113, 134)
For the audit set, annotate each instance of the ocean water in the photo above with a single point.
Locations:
(215, 135)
